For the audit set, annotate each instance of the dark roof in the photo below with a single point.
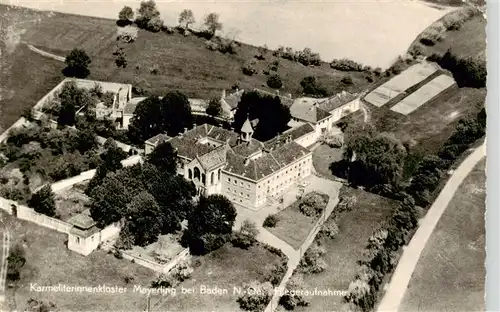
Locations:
(214, 158)
(293, 134)
(223, 135)
(248, 148)
(307, 111)
(157, 139)
(84, 233)
(82, 221)
(267, 164)
(336, 101)
(190, 148)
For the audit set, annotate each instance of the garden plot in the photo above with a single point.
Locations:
(400, 83)
(423, 95)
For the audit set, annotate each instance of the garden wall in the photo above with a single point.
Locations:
(47, 98)
(157, 267)
(20, 122)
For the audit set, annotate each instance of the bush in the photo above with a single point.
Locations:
(307, 58)
(276, 273)
(346, 65)
(248, 70)
(182, 271)
(155, 24)
(312, 204)
(164, 281)
(311, 86)
(43, 201)
(332, 140)
(271, 221)
(416, 50)
(246, 236)
(15, 261)
(311, 262)
(431, 36)
(329, 229)
(292, 299)
(256, 296)
(274, 81)
(126, 34)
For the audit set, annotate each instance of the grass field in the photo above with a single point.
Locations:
(343, 252)
(49, 262)
(450, 273)
(224, 268)
(470, 40)
(294, 226)
(323, 156)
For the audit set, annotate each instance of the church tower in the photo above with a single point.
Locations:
(246, 131)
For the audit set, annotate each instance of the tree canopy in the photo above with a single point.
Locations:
(164, 157)
(72, 98)
(77, 64)
(311, 86)
(43, 201)
(212, 23)
(126, 14)
(144, 218)
(170, 114)
(147, 12)
(214, 108)
(273, 116)
(186, 18)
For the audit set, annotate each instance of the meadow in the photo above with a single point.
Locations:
(450, 273)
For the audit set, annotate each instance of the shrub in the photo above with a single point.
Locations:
(43, 201)
(255, 296)
(332, 140)
(164, 281)
(155, 24)
(416, 50)
(346, 203)
(246, 236)
(312, 204)
(271, 221)
(276, 273)
(311, 262)
(274, 81)
(182, 271)
(248, 70)
(329, 229)
(15, 261)
(311, 86)
(346, 65)
(292, 298)
(347, 81)
(307, 58)
(431, 36)
(126, 34)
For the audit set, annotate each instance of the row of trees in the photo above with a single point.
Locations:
(148, 17)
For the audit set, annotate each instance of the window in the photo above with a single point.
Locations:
(228, 179)
(229, 189)
(190, 174)
(241, 193)
(78, 240)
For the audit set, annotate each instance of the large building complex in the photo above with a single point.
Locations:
(245, 170)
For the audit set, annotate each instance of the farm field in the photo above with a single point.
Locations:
(289, 23)
(49, 262)
(224, 268)
(450, 273)
(294, 226)
(343, 252)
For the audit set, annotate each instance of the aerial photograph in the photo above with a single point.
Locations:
(244, 155)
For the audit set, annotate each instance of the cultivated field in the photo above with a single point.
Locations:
(343, 252)
(450, 273)
(424, 94)
(400, 83)
(49, 262)
(393, 24)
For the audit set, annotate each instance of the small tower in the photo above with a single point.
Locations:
(246, 131)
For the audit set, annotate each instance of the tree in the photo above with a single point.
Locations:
(144, 219)
(126, 15)
(311, 86)
(273, 116)
(186, 18)
(40, 306)
(212, 23)
(214, 108)
(155, 24)
(43, 201)
(210, 224)
(255, 296)
(164, 157)
(147, 11)
(112, 156)
(274, 81)
(72, 98)
(171, 114)
(77, 64)
(15, 261)
(246, 236)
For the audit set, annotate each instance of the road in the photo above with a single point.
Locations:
(411, 253)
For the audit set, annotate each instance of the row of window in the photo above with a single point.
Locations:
(241, 194)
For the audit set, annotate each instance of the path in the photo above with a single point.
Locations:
(46, 54)
(4, 263)
(411, 253)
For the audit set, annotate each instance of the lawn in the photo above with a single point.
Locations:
(343, 252)
(293, 226)
(450, 273)
(323, 156)
(224, 268)
(49, 262)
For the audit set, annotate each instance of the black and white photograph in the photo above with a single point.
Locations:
(245, 155)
